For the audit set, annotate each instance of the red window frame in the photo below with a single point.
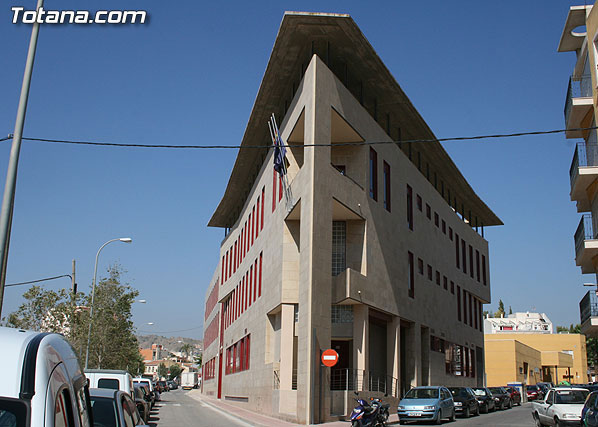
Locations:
(260, 288)
(263, 203)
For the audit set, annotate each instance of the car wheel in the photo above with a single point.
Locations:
(557, 422)
(510, 404)
(466, 413)
(453, 416)
(477, 409)
(402, 422)
(537, 420)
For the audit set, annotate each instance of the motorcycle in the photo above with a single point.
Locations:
(372, 414)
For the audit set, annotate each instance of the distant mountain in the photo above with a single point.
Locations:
(168, 343)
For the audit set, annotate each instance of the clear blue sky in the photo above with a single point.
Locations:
(190, 76)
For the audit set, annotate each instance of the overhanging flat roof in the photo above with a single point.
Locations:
(341, 44)
(570, 40)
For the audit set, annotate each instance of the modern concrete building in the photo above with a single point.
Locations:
(378, 251)
(534, 357)
(519, 322)
(580, 35)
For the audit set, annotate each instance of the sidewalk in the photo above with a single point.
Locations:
(259, 420)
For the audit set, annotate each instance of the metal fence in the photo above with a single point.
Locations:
(585, 155)
(579, 87)
(362, 380)
(584, 232)
(276, 384)
(588, 306)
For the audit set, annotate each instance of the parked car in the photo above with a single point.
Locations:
(514, 394)
(534, 392)
(143, 402)
(162, 386)
(426, 403)
(41, 382)
(172, 385)
(485, 399)
(466, 403)
(589, 412)
(153, 392)
(110, 378)
(502, 398)
(562, 406)
(113, 408)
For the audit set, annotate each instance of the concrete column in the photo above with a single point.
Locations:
(287, 320)
(361, 334)
(415, 354)
(393, 355)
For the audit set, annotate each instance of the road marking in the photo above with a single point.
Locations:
(176, 404)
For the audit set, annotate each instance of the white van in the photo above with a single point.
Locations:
(41, 381)
(110, 378)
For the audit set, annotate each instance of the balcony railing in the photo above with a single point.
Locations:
(585, 155)
(585, 231)
(362, 380)
(579, 87)
(588, 306)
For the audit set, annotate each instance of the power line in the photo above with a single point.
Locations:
(39, 280)
(195, 147)
(168, 332)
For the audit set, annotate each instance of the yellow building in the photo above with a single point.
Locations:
(531, 358)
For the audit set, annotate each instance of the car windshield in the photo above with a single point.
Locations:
(458, 391)
(104, 412)
(532, 388)
(496, 390)
(422, 393)
(13, 413)
(479, 391)
(571, 396)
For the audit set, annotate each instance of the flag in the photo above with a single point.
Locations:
(280, 150)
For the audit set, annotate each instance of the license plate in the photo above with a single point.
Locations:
(414, 414)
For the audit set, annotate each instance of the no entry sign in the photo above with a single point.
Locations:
(329, 357)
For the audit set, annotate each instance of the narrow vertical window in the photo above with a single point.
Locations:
(255, 280)
(252, 224)
(419, 202)
(464, 306)
(235, 263)
(445, 283)
(464, 256)
(250, 285)
(481, 316)
(222, 273)
(470, 310)
(452, 287)
(477, 264)
(243, 294)
(457, 250)
(373, 174)
(438, 277)
(247, 340)
(484, 269)
(339, 244)
(263, 203)
(226, 266)
(257, 219)
(458, 303)
(274, 191)
(436, 219)
(260, 288)
(409, 207)
(411, 278)
(475, 309)
(470, 261)
(386, 186)
(428, 211)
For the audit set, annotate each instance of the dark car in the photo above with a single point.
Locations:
(534, 392)
(465, 401)
(589, 413)
(162, 386)
(502, 398)
(172, 385)
(485, 399)
(113, 408)
(515, 395)
(143, 401)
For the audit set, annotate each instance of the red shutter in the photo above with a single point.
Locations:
(260, 288)
(263, 203)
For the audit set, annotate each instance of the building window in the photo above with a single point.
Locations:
(484, 269)
(470, 261)
(444, 226)
(436, 219)
(429, 272)
(465, 306)
(263, 203)
(341, 314)
(409, 207)
(470, 309)
(339, 242)
(477, 264)
(386, 171)
(419, 203)
(373, 174)
(445, 283)
(411, 279)
(458, 303)
(428, 211)
(457, 250)
(464, 257)
(437, 277)
(420, 266)
(451, 233)
(452, 287)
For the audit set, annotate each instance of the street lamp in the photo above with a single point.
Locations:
(93, 290)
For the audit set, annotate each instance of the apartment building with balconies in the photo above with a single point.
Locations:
(580, 35)
(377, 250)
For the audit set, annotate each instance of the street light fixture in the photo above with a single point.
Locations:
(93, 290)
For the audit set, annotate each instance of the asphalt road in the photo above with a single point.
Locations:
(177, 409)
(518, 416)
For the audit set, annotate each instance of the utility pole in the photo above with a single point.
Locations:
(73, 281)
(13, 162)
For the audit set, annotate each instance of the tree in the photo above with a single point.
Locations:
(113, 344)
(162, 370)
(186, 349)
(175, 371)
(198, 359)
(510, 310)
(501, 309)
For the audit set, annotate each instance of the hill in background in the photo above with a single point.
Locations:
(169, 343)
